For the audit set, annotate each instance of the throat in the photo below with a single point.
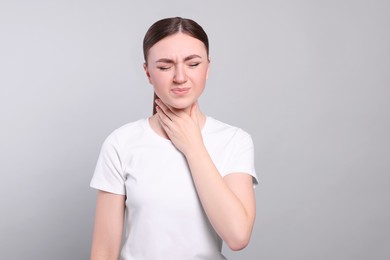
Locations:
(159, 130)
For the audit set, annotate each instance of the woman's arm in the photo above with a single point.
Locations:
(107, 235)
(229, 202)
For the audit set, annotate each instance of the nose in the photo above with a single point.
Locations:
(180, 76)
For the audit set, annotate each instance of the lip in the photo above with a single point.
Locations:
(180, 91)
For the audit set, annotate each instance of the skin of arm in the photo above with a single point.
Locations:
(229, 202)
(108, 226)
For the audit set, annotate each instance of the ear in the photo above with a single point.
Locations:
(147, 72)
(208, 69)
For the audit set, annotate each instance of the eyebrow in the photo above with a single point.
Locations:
(166, 60)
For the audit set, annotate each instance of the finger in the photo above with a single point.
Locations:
(163, 118)
(171, 110)
(165, 108)
(163, 125)
(161, 122)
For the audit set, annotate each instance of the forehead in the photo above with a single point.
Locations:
(177, 45)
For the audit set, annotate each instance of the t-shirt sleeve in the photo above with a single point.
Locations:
(108, 175)
(241, 157)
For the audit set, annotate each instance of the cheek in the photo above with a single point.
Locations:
(202, 77)
(159, 80)
(160, 85)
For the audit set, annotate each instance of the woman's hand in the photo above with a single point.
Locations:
(228, 202)
(182, 129)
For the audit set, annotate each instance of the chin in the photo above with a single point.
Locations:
(181, 107)
(179, 104)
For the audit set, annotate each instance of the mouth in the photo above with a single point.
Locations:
(180, 91)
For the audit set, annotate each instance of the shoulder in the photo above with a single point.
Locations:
(126, 133)
(230, 147)
(130, 129)
(216, 128)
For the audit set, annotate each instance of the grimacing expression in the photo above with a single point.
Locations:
(178, 67)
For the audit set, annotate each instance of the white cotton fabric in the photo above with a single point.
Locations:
(164, 217)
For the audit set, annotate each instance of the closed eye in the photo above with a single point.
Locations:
(164, 68)
(193, 65)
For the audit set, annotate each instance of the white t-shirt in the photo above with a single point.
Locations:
(164, 217)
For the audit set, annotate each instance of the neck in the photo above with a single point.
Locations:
(154, 123)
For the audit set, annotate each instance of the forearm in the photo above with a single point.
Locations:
(228, 205)
(97, 256)
(223, 208)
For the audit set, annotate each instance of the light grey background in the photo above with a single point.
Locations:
(310, 81)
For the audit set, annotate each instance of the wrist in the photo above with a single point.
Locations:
(195, 152)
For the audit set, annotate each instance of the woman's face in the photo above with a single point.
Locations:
(178, 67)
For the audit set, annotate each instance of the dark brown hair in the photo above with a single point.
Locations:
(167, 27)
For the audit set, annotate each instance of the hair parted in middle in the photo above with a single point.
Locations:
(170, 26)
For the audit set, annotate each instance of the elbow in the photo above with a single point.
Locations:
(239, 242)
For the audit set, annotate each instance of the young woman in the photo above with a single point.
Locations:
(180, 182)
